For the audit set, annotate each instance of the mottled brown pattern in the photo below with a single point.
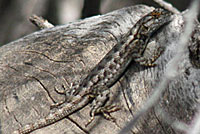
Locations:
(117, 58)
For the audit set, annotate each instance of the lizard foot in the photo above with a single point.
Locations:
(105, 111)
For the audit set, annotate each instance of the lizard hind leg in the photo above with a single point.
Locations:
(98, 107)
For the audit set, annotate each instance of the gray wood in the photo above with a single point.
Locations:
(31, 67)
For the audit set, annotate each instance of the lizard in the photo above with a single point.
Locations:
(95, 87)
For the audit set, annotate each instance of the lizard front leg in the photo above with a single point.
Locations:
(150, 55)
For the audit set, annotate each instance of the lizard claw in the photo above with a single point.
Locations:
(56, 105)
(90, 121)
(105, 111)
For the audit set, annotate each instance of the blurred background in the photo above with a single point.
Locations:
(14, 14)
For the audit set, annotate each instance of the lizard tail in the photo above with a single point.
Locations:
(50, 119)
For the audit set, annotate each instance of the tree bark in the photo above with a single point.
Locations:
(33, 66)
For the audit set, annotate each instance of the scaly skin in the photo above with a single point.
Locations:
(109, 69)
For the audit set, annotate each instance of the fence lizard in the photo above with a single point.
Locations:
(95, 87)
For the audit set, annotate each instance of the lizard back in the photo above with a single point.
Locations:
(115, 62)
(109, 69)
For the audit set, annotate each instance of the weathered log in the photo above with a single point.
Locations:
(33, 66)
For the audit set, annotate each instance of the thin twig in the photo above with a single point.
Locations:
(167, 6)
(172, 69)
(178, 125)
(194, 127)
(40, 22)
